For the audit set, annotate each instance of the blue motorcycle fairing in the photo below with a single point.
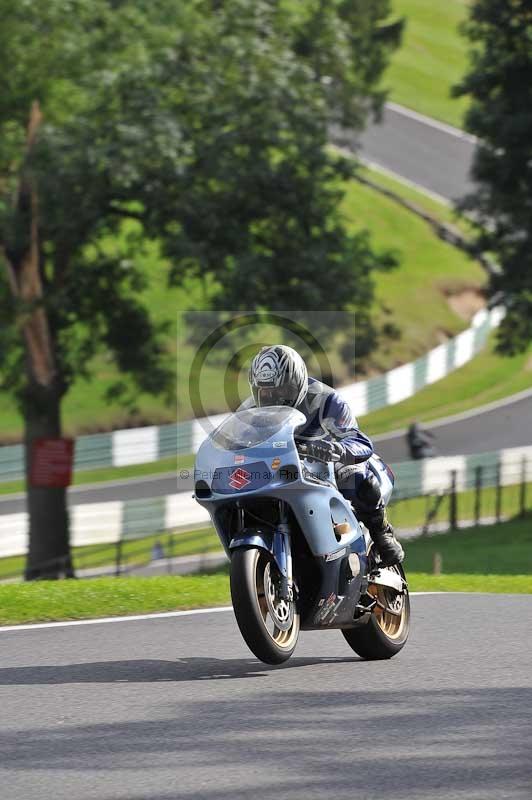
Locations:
(309, 490)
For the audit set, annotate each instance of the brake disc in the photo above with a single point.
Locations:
(281, 610)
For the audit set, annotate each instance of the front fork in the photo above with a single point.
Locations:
(277, 542)
(282, 551)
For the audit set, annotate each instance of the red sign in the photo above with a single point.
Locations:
(239, 478)
(51, 463)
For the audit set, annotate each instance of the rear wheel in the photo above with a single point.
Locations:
(268, 623)
(386, 631)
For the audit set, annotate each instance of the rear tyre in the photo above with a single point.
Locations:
(268, 623)
(386, 631)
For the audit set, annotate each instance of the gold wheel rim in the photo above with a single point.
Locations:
(392, 624)
(282, 638)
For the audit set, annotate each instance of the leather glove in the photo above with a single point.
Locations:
(321, 450)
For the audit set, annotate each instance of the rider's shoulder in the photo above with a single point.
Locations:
(335, 404)
(316, 387)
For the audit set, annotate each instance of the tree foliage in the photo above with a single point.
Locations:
(205, 122)
(71, 59)
(260, 209)
(500, 84)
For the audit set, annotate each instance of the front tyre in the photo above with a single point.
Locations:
(268, 623)
(386, 631)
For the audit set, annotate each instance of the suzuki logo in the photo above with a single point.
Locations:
(239, 478)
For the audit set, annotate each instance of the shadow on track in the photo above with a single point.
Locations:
(152, 670)
(301, 743)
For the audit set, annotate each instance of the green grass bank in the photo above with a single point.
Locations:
(107, 597)
(432, 58)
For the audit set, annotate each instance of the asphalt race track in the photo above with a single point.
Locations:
(426, 152)
(178, 708)
(508, 425)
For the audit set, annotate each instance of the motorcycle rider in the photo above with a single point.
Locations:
(278, 376)
(420, 442)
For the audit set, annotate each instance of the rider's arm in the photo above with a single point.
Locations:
(340, 423)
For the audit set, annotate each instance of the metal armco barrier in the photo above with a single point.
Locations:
(111, 522)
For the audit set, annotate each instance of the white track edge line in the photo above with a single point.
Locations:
(418, 187)
(444, 127)
(138, 617)
(105, 620)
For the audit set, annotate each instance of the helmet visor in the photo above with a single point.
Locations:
(274, 395)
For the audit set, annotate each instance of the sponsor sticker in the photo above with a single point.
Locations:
(276, 463)
(279, 444)
(325, 608)
(239, 478)
(240, 459)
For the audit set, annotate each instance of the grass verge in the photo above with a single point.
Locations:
(107, 597)
(432, 58)
(488, 559)
(464, 582)
(104, 597)
(493, 550)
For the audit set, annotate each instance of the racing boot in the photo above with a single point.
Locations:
(381, 531)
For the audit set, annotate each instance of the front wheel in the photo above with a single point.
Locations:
(268, 623)
(386, 631)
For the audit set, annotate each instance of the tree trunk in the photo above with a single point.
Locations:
(49, 548)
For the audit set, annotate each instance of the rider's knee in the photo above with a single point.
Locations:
(348, 479)
(362, 488)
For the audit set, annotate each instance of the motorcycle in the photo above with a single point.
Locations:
(299, 558)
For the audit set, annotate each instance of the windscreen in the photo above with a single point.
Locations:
(253, 426)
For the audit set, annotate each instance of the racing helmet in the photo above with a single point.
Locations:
(278, 377)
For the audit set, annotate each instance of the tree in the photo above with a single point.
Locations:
(278, 76)
(499, 82)
(67, 179)
(205, 122)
